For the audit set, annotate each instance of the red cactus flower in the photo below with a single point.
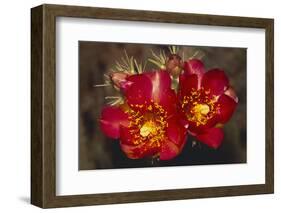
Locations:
(206, 100)
(147, 122)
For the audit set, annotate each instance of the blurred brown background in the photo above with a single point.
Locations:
(96, 151)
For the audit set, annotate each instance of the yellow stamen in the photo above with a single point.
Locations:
(202, 109)
(148, 128)
(199, 106)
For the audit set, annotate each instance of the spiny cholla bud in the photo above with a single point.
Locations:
(174, 65)
(119, 80)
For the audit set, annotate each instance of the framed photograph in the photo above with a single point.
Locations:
(136, 106)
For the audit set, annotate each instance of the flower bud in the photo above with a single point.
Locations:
(119, 80)
(174, 65)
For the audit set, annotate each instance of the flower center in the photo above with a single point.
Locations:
(201, 109)
(200, 112)
(148, 128)
(199, 106)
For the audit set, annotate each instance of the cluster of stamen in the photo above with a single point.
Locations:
(200, 106)
(147, 124)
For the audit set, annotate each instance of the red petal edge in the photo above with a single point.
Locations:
(227, 108)
(140, 91)
(216, 81)
(212, 137)
(110, 121)
(169, 150)
(161, 82)
(194, 66)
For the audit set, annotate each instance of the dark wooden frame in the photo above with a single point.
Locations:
(43, 105)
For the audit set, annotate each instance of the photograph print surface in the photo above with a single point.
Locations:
(146, 105)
